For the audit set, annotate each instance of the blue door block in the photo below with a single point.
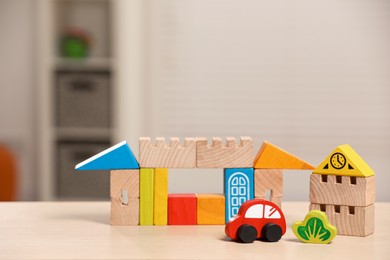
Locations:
(238, 188)
(118, 157)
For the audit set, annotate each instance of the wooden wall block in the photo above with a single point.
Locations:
(163, 155)
(218, 155)
(146, 196)
(342, 190)
(238, 188)
(124, 180)
(181, 209)
(268, 179)
(349, 220)
(124, 215)
(210, 209)
(160, 196)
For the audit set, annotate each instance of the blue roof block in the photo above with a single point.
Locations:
(117, 157)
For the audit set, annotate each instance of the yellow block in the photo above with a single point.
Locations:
(273, 157)
(160, 196)
(210, 209)
(146, 181)
(344, 161)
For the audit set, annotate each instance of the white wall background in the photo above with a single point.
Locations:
(306, 75)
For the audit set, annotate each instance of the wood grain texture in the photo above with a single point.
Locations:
(146, 196)
(124, 215)
(163, 155)
(229, 155)
(181, 209)
(272, 157)
(210, 209)
(352, 191)
(81, 230)
(360, 223)
(160, 196)
(268, 179)
(124, 180)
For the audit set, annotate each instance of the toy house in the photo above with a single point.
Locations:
(343, 186)
(139, 192)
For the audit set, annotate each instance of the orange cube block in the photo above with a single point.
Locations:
(210, 209)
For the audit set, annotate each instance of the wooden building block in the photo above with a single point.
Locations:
(342, 190)
(349, 220)
(272, 157)
(218, 155)
(344, 161)
(124, 215)
(210, 209)
(160, 196)
(116, 157)
(124, 180)
(238, 188)
(181, 209)
(146, 206)
(268, 180)
(163, 155)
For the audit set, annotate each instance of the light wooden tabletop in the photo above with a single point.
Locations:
(69, 230)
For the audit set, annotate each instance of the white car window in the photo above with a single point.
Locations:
(271, 212)
(256, 211)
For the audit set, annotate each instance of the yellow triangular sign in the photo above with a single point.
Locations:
(273, 157)
(346, 162)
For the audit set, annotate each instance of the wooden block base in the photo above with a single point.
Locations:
(124, 215)
(342, 190)
(349, 221)
(124, 180)
(268, 179)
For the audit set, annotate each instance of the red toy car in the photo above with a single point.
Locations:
(257, 219)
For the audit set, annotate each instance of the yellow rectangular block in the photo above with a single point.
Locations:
(146, 180)
(210, 209)
(124, 215)
(160, 196)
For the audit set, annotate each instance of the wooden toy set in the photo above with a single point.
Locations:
(343, 187)
(139, 191)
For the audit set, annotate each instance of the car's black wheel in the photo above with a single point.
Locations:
(271, 232)
(247, 233)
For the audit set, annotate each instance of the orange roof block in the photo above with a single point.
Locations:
(273, 157)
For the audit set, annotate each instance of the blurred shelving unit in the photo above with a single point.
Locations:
(77, 95)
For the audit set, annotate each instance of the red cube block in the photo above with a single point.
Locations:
(182, 209)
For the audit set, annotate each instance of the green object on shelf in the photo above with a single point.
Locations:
(74, 48)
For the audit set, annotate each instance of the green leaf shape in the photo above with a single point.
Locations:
(315, 228)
